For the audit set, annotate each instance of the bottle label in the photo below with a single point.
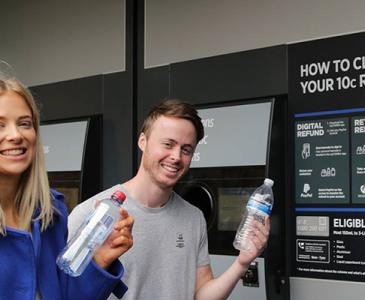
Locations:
(99, 213)
(257, 202)
(76, 263)
(95, 218)
(107, 220)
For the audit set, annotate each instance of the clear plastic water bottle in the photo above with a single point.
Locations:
(258, 207)
(80, 249)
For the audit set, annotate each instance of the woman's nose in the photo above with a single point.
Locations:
(13, 133)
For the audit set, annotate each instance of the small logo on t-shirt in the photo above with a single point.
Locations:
(180, 243)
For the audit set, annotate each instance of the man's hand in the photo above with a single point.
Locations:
(118, 242)
(258, 237)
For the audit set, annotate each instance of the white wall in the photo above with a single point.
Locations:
(313, 289)
(52, 40)
(183, 30)
(48, 41)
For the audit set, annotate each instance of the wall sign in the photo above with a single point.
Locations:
(327, 134)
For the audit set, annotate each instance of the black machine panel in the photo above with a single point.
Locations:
(222, 194)
(228, 164)
(73, 157)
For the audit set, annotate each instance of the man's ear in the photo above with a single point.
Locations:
(142, 140)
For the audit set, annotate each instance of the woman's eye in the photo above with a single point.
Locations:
(26, 124)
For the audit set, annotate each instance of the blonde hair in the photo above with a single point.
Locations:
(33, 199)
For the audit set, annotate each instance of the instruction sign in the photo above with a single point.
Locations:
(327, 132)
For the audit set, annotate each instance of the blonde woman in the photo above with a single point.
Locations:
(33, 218)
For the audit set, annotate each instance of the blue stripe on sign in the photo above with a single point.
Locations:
(329, 112)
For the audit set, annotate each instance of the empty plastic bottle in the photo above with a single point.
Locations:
(79, 251)
(258, 207)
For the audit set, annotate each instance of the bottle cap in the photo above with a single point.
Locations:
(269, 182)
(119, 196)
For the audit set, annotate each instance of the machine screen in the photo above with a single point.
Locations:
(61, 155)
(234, 136)
(231, 205)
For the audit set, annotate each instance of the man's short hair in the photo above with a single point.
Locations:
(175, 108)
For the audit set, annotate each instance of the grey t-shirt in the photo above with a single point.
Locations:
(170, 243)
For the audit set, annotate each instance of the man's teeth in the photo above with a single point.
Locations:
(13, 152)
(170, 168)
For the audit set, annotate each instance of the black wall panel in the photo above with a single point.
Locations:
(118, 128)
(153, 86)
(68, 99)
(109, 95)
(242, 75)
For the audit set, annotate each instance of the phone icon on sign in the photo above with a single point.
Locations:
(306, 152)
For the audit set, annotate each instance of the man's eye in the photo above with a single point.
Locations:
(186, 151)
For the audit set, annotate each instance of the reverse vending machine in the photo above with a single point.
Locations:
(72, 151)
(230, 161)
(326, 209)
